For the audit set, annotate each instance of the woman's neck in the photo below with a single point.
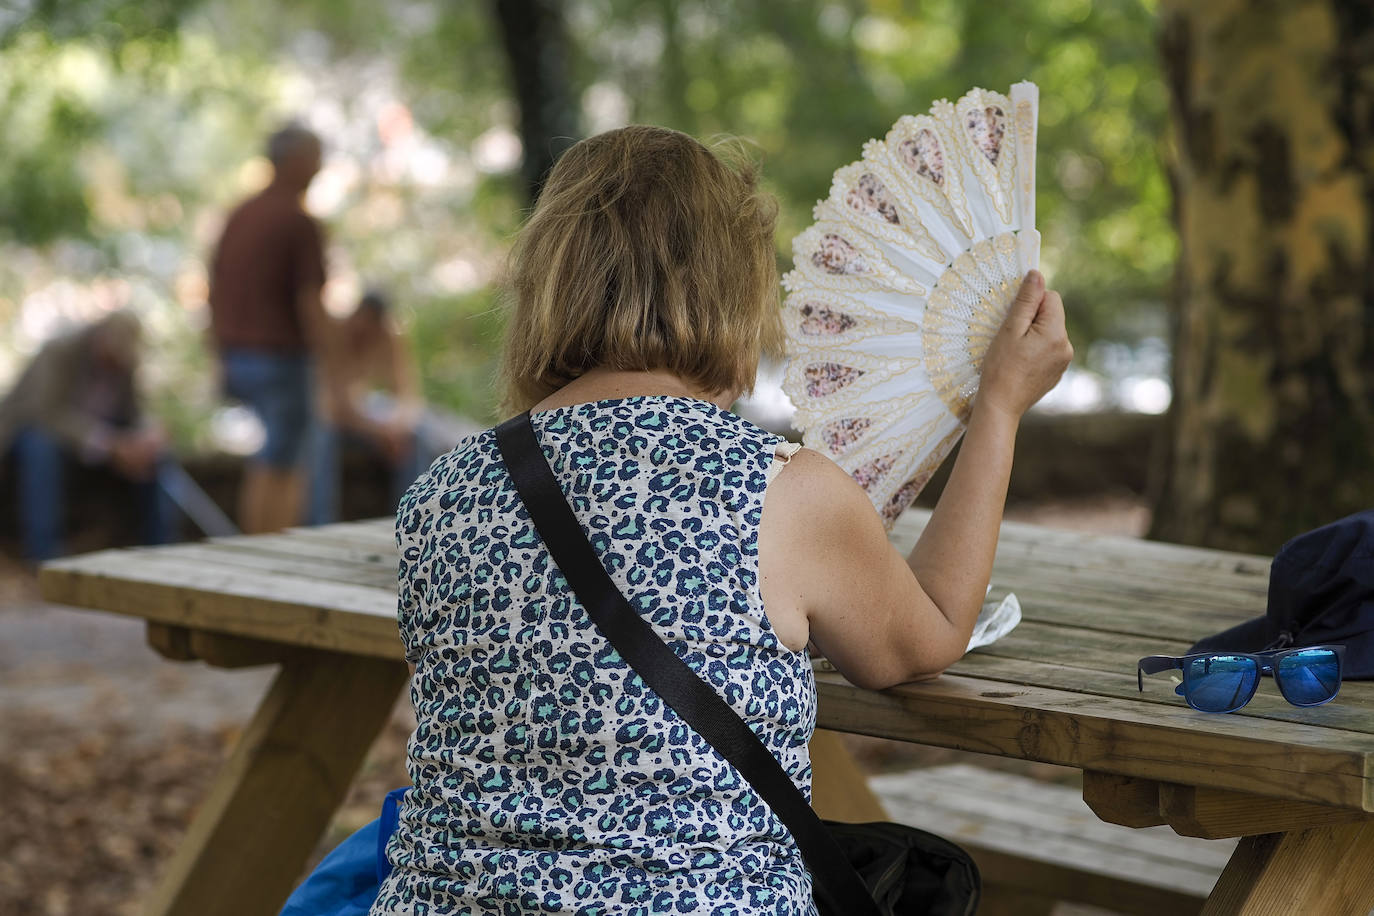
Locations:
(604, 384)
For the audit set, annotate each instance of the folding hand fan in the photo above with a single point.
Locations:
(901, 283)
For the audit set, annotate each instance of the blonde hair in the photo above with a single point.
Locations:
(646, 251)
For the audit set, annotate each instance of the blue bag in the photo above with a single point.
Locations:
(346, 881)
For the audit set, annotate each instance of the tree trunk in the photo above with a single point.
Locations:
(536, 43)
(1272, 424)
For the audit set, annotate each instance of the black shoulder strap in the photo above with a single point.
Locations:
(837, 883)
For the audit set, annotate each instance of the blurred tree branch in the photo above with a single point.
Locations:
(536, 43)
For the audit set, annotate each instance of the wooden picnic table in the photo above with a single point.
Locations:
(1061, 688)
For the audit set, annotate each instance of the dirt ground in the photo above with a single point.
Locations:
(106, 749)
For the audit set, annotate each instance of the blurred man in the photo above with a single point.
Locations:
(78, 400)
(268, 322)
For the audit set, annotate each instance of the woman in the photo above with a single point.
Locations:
(547, 778)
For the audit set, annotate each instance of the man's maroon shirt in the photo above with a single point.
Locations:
(270, 251)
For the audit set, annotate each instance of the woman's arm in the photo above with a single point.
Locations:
(953, 558)
(824, 555)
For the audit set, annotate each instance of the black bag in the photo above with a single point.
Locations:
(906, 870)
(857, 869)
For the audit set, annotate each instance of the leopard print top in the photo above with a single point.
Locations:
(547, 777)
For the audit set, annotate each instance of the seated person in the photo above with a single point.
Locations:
(371, 397)
(545, 777)
(78, 400)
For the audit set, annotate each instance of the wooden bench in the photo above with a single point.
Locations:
(1296, 784)
(1037, 843)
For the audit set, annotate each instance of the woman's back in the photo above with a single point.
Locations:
(547, 777)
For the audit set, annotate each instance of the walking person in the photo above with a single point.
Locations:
(269, 326)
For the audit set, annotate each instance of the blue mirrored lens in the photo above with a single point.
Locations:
(1220, 683)
(1310, 677)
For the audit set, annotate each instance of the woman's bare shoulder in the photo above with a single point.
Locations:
(832, 563)
(821, 523)
(813, 488)
(805, 505)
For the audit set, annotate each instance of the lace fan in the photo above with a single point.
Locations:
(900, 284)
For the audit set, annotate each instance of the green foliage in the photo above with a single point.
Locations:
(457, 341)
(127, 126)
(42, 198)
(112, 21)
(809, 81)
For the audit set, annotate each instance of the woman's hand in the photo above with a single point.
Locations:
(1029, 353)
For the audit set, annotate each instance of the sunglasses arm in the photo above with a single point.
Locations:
(1153, 664)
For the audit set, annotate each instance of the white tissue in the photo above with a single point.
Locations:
(995, 621)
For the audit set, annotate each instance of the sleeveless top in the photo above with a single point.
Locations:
(547, 777)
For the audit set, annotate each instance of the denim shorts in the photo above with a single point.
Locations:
(277, 388)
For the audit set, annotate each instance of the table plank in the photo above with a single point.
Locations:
(330, 550)
(1074, 647)
(1120, 588)
(359, 534)
(305, 569)
(1126, 737)
(1089, 615)
(1103, 550)
(156, 584)
(1353, 716)
(1036, 654)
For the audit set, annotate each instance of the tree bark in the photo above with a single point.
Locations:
(1272, 423)
(537, 49)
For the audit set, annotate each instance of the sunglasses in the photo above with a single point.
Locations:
(1225, 681)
